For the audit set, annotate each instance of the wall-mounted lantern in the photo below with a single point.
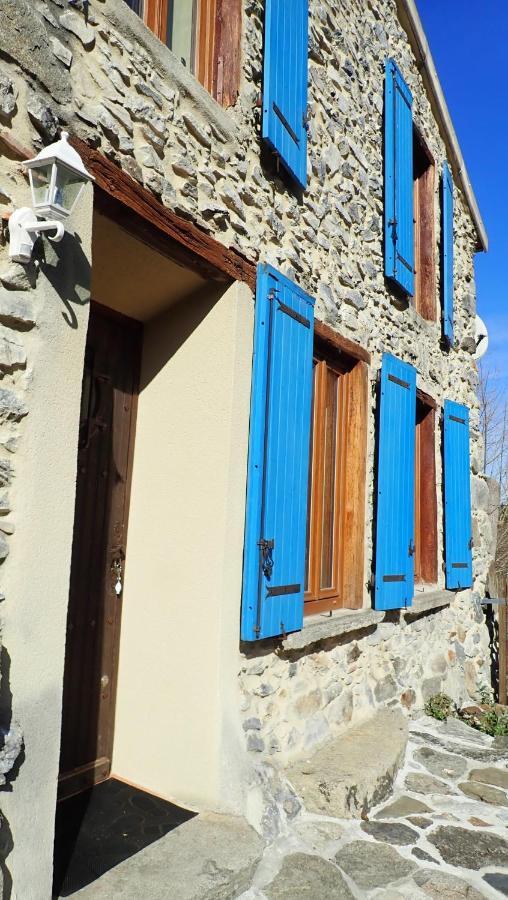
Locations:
(57, 178)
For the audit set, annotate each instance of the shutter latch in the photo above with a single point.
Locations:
(266, 560)
(470, 545)
(412, 548)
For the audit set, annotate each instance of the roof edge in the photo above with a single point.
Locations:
(411, 22)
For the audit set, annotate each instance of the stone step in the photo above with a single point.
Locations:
(354, 772)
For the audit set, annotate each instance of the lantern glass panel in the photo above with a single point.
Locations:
(41, 182)
(67, 187)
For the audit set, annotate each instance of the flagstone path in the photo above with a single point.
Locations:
(443, 833)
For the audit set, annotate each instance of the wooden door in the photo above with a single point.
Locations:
(106, 439)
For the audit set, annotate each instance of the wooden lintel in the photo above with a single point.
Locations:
(183, 240)
(11, 148)
(426, 398)
(337, 343)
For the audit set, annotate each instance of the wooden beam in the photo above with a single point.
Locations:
(425, 398)
(335, 342)
(184, 241)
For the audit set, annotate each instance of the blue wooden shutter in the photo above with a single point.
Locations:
(278, 467)
(399, 224)
(447, 252)
(285, 83)
(394, 575)
(457, 496)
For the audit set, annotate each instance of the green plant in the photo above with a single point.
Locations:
(440, 706)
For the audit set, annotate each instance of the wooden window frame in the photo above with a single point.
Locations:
(424, 176)
(217, 47)
(349, 484)
(425, 560)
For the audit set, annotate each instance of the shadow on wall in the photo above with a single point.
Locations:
(69, 273)
(12, 756)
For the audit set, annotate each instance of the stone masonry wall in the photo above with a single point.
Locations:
(295, 699)
(95, 69)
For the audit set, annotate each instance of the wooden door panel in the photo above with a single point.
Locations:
(106, 438)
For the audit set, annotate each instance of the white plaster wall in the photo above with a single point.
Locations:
(35, 577)
(177, 720)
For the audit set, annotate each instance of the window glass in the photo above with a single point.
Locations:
(181, 29)
(329, 413)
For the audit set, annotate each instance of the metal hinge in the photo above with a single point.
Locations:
(412, 548)
(266, 560)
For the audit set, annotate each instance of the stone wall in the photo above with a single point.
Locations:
(293, 699)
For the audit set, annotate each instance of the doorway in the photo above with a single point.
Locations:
(105, 453)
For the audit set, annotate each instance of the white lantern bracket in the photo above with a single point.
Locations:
(25, 228)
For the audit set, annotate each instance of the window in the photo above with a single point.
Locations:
(204, 35)
(335, 519)
(424, 234)
(425, 493)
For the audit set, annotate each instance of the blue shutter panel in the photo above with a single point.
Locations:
(278, 467)
(399, 224)
(447, 252)
(285, 83)
(394, 575)
(457, 495)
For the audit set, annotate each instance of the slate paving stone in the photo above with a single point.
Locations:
(373, 865)
(422, 854)
(426, 784)
(497, 880)
(491, 753)
(404, 806)
(310, 877)
(470, 849)
(492, 775)
(484, 792)
(390, 832)
(444, 886)
(444, 765)
(454, 728)
(419, 821)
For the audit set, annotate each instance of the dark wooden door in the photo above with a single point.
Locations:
(106, 438)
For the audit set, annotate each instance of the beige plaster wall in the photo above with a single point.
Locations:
(35, 577)
(177, 723)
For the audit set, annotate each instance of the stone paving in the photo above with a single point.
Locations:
(442, 833)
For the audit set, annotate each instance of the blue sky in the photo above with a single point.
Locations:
(468, 43)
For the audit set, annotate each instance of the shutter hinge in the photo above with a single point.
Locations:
(412, 548)
(266, 556)
(306, 119)
(471, 544)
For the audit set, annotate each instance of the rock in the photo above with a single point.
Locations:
(402, 807)
(497, 880)
(455, 728)
(255, 743)
(354, 771)
(443, 765)
(422, 854)
(7, 96)
(61, 52)
(16, 310)
(498, 777)
(373, 865)
(4, 553)
(426, 784)
(385, 689)
(200, 132)
(76, 25)
(11, 748)
(354, 298)
(252, 724)
(18, 277)
(6, 472)
(319, 836)
(408, 698)
(390, 832)
(25, 40)
(309, 877)
(12, 409)
(42, 117)
(484, 792)
(468, 848)
(12, 355)
(478, 823)
(419, 821)
(444, 886)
